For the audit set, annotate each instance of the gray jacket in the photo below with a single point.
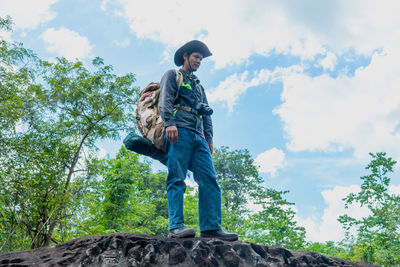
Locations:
(190, 93)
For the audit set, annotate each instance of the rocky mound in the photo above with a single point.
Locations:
(127, 249)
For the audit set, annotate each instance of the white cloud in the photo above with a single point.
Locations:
(21, 127)
(232, 87)
(270, 161)
(229, 91)
(232, 35)
(67, 43)
(393, 189)
(101, 152)
(322, 113)
(328, 228)
(329, 61)
(27, 14)
(5, 36)
(235, 30)
(124, 43)
(165, 57)
(360, 112)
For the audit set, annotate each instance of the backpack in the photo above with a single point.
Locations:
(148, 117)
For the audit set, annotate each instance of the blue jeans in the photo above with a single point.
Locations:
(192, 151)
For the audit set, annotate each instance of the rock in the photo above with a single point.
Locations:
(128, 249)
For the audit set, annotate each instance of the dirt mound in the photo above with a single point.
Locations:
(127, 249)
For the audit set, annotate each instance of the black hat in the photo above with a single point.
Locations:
(190, 47)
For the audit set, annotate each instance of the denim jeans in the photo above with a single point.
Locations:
(192, 151)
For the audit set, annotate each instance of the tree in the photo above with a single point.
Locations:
(53, 187)
(275, 223)
(240, 183)
(330, 249)
(237, 177)
(52, 114)
(126, 196)
(16, 76)
(16, 82)
(378, 239)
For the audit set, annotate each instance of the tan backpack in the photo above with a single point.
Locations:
(148, 116)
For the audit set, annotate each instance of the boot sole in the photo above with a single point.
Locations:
(183, 235)
(234, 238)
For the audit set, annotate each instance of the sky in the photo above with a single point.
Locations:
(308, 87)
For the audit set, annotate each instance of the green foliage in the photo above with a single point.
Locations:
(330, 249)
(51, 115)
(378, 236)
(237, 177)
(5, 24)
(275, 223)
(241, 185)
(16, 81)
(128, 198)
(191, 208)
(53, 188)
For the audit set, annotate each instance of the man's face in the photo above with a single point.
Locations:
(193, 61)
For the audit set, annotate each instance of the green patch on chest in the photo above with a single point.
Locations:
(186, 85)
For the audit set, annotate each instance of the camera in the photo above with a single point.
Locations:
(204, 109)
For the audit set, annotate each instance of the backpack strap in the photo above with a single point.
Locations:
(179, 81)
(188, 109)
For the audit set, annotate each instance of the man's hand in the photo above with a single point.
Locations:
(172, 134)
(211, 148)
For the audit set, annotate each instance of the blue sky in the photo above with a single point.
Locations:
(308, 87)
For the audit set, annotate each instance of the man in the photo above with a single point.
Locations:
(188, 144)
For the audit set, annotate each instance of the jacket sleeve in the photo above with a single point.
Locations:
(167, 96)
(207, 122)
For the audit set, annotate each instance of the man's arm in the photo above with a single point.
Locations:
(168, 91)
(207, 126)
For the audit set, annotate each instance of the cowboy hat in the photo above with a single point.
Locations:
(190, 47)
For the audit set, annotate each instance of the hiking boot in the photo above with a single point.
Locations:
(182, 232)
(219, 234)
